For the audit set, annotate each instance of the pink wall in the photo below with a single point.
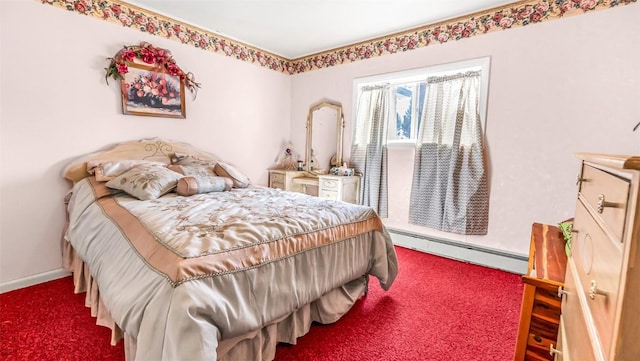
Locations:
(57, 106)
(556, 88)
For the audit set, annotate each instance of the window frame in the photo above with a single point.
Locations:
(413, 75)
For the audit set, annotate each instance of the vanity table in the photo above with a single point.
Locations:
(324, 120)
(340, 188)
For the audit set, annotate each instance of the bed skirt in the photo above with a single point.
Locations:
(256, 345)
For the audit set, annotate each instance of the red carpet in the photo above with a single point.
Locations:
(437, 309)
(49, 322)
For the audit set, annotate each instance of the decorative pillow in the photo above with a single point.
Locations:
(106, 171)
(146, 181)
(193, 170)
(187, 160)
(188, 186)
(223, 169)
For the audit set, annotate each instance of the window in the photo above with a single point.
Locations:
(406, 110)
(388, 112)
(407, 93)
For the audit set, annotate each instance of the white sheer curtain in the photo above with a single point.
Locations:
(449, 190)
(369, 146)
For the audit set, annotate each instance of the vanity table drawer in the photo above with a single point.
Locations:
(280, 179)
(329, 184)
(328, 194)
(277, 185)
(277, 178)
(598, 260)
(607, 194)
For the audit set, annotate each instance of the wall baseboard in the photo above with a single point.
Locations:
(510, 262)
(33, 280)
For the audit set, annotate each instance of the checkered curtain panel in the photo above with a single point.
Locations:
(449, 190)
(369, 147)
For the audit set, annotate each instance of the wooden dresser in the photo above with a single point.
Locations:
(600, 317)
(540, 312)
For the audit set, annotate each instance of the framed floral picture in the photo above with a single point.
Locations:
(149, 92)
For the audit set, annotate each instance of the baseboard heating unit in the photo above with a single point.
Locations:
(510, 262)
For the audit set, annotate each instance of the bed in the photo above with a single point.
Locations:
(218, 270)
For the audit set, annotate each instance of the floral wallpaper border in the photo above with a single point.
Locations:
(517, 14)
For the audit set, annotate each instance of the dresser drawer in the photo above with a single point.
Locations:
(329, 184)
(543, 329)
(546, 307)
(607, 194)
(598, 260)
(562, 341)
(578, 344)
(541, 336)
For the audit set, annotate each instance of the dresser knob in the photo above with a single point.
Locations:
(602, 203)
(553, 351)
(579, 179)
(562, 292)
(593, 290)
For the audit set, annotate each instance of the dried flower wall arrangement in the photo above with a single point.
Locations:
(160, 60)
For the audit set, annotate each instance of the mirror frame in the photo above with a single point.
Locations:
(339, 132)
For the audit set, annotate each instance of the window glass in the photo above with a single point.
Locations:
(407, 100)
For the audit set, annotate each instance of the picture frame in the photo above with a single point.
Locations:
(149, 92)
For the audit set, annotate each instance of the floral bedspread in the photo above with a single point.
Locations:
(181, 273)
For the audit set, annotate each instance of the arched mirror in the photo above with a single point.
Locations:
(325, 128)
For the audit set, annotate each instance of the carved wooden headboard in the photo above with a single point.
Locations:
(156, 149)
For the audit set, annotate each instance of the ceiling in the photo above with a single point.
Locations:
(297, 28)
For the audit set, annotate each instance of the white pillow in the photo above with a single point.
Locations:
(193, 170)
